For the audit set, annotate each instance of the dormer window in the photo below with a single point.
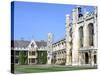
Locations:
(32, 45)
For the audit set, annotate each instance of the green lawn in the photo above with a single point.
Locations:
(44, 68)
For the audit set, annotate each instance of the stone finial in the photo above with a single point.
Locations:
(50, 37)
(87, 13)
(67, 20)
(95, 9)
(73, 10)
(67, 15)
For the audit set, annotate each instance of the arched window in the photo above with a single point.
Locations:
(81, 36)
(91, 33)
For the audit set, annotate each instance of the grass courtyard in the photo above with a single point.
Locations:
(48, 68)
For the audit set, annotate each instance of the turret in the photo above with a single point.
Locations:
(49, 48)
(68, 40)
(67, 26)
(76, 14)
(75, 36)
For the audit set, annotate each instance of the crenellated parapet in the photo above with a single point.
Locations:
(89, 16)
(78, 40)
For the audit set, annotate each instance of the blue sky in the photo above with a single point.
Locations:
(35, 20)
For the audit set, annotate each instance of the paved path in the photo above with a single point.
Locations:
(16, 72)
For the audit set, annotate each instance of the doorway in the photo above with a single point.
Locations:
(95, 59)
(86, 58)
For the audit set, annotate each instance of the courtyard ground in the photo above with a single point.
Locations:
(48, 68)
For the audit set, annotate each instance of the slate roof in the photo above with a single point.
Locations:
(20, 43)
(41, 44)
(59, 41)
(25, 43)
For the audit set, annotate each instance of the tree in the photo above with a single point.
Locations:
(42, 57)
(22, 58)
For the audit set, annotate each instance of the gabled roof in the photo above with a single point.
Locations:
(25, 43)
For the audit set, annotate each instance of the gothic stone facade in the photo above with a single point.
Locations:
(79, 47)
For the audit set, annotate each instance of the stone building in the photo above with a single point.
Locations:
(59, 52)
(79, 46)
(34, 52)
